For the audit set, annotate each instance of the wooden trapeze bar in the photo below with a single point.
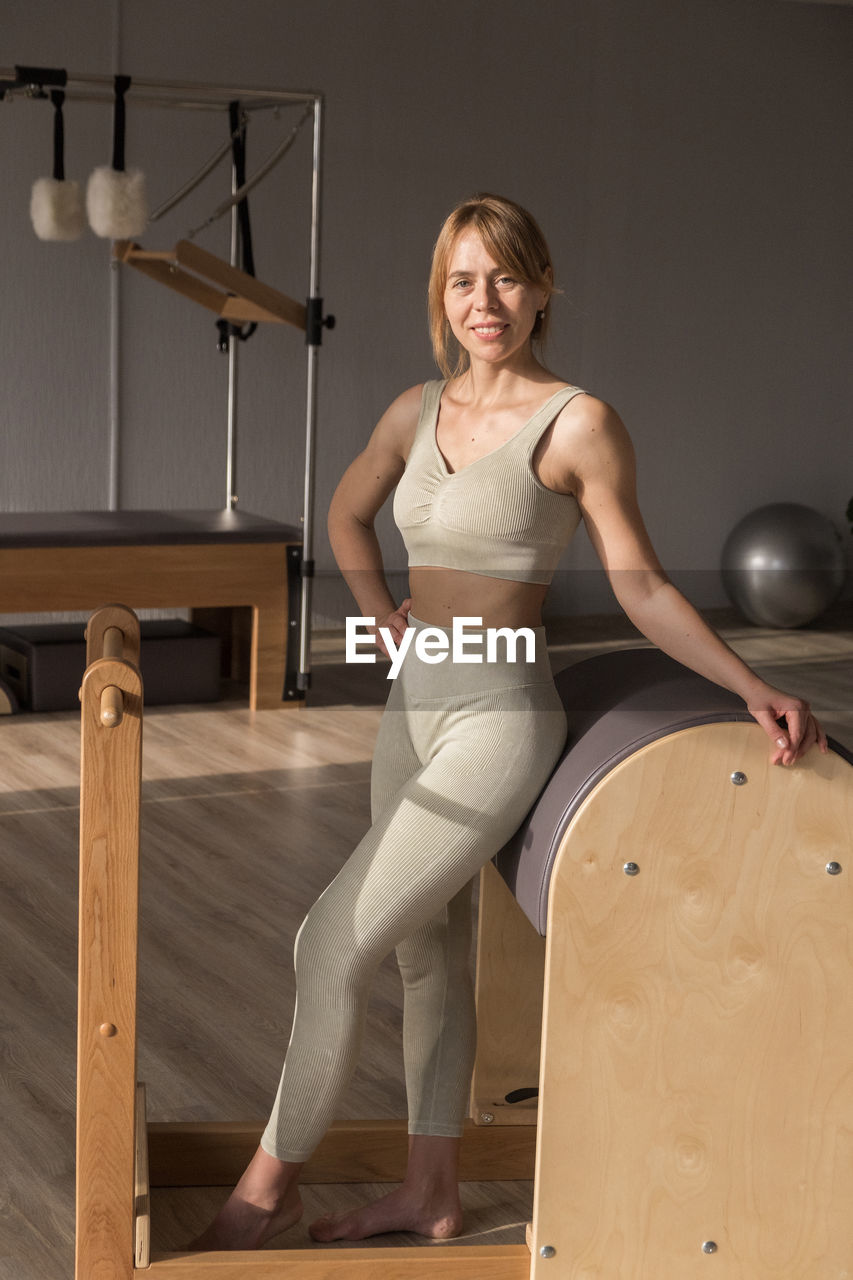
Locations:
(206, 279)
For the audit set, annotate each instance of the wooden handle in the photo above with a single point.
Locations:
(113, 643)
(112, 632)
(112, 706)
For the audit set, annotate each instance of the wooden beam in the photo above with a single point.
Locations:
(214, 1154)
(106, 1020)
(432, 1261)
(240, 283)
(241, 311)
(142, 1210)
(170, 275)
(510, 978)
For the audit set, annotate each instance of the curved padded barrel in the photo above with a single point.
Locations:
(615, 703)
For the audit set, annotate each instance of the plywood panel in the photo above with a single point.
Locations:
(698, 1085)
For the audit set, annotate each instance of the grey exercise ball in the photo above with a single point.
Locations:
(783, 565)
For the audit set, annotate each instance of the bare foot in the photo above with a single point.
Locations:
(243, 1225)
(438, 1216)
(264, 1203)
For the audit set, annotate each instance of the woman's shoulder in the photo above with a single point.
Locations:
(399, 422)
(588, 436)
(585, 413)
(406, 407)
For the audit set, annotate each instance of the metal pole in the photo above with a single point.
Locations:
(182, 94)
(233, 345)
(114, 404)
(304, 675)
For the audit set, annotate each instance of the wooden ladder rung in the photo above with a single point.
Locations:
(213, 283)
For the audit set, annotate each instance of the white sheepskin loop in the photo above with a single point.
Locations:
(116, 204)
(56, 209)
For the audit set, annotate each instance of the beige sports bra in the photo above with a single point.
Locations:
(493, 517)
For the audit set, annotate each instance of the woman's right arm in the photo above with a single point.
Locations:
(363, 489)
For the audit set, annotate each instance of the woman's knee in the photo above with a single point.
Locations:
(317, 954)
(330, 956)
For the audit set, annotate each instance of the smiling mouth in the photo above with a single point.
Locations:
(489, 330)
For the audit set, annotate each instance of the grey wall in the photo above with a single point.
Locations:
(689, 161)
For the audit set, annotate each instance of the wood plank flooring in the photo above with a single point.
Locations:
(245, 818)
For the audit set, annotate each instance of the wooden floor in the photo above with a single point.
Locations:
(246, 817)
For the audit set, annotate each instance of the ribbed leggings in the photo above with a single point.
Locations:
(463, 751)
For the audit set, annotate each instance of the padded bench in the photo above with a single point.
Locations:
(198, 560)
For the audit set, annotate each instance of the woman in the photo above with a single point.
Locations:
(494, 467)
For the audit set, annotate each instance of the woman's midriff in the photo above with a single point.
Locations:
(440, 595)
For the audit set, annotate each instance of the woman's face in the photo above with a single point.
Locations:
(490, 311)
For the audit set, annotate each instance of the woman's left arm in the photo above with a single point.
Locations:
(602, 474)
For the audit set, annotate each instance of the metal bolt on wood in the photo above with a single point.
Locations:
(709, 1246)
(738, 778)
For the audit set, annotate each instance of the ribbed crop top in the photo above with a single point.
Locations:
(493, 517)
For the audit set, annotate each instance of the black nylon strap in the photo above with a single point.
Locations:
(40, 75)
(57, 97)
(121, 85)
(238, 150)
(245, 251)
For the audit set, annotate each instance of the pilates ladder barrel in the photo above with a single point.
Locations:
(696, 1085)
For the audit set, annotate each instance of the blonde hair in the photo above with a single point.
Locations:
(513, 238)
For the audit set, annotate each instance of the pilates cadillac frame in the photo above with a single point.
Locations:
(187, 96)
(694, 994)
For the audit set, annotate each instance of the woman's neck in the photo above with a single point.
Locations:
(484, 383)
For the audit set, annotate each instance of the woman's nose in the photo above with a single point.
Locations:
(484, 296)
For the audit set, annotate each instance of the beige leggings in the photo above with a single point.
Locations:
(462, 753)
